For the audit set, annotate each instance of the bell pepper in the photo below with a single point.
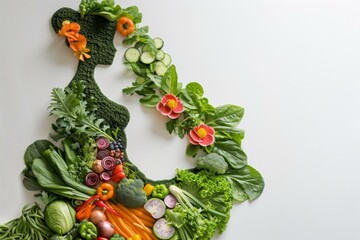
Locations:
(135, 237)
(160, 191)
(118, 173)
(105, 191)
(88, 230)
(148, 189)
(117, 237)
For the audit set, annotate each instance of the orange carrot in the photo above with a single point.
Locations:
(116, 226)
(125, 227)
(130, 214)
(142, 215)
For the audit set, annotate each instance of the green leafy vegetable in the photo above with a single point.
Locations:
(73, 115)
(232, 153)
(105, 8)
(246, 183)
(60, 217)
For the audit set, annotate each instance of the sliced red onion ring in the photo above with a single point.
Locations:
(102, 153)
(105, 176)
(102, 143)
(108, 163)
(92, 179)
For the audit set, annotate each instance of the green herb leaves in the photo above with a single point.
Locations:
(73, 115)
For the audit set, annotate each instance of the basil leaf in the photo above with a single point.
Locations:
(246, 183)
(226, 115)
(196, 88)
(232, 153)
(169, 82)
(150, 100)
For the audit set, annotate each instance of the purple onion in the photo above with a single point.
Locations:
(105, 176)
(103, 153)
(92, 179)
(108, 163)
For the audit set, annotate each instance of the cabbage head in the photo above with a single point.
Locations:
(60, 216)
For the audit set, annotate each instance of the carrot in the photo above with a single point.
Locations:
(125, 227)
(117, 228)
(142, 215)
(143, 210)
(124, 214)
(130, 214)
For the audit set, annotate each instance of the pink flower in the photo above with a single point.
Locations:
(170, 106)
(202, 135)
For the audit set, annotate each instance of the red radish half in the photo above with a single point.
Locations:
(163, 230)
(170, 201)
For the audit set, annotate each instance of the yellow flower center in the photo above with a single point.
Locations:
(171, 104)
(201, 133)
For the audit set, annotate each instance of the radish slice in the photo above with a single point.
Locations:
(163, 230)
(170, 201)
(156, 207)
(102, 143)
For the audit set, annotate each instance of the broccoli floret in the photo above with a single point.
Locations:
(130, 193)
(213, 162)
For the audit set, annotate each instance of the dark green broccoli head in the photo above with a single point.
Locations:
(130, 193)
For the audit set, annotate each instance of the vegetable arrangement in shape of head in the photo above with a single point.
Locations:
(110, 197)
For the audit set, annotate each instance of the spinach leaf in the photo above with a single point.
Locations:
(232, 153)
(226, 115)
(246, 183)
(150, 100)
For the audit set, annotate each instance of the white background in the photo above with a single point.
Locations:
(293, 66)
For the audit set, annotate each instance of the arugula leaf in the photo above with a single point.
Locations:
(67, 106)
(226, 115)
(232, 153)
(246, 183)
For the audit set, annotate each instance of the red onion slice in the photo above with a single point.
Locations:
(102, 143)
(103, 153)
(105, 176)
(108, 163)
(92, 179)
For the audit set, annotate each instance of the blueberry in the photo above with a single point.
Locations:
(111, 146)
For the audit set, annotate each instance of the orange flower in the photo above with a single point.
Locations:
(79, 47)
(70, 30)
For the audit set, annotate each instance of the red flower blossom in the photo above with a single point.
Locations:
(202, 135)
(170, 106)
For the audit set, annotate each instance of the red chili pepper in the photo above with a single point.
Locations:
(118, 173)
(102, 204)
(87, 202)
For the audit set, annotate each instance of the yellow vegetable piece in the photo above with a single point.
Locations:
(148, 189)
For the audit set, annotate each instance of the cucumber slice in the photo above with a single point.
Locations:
(163, 230)
(160, 55)
(152, 67)
(147, 57)
(140, 80)
(167, 60)
(132, 55)
(145, 48)
(156, 207)
(160, 68)
(159, 43)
